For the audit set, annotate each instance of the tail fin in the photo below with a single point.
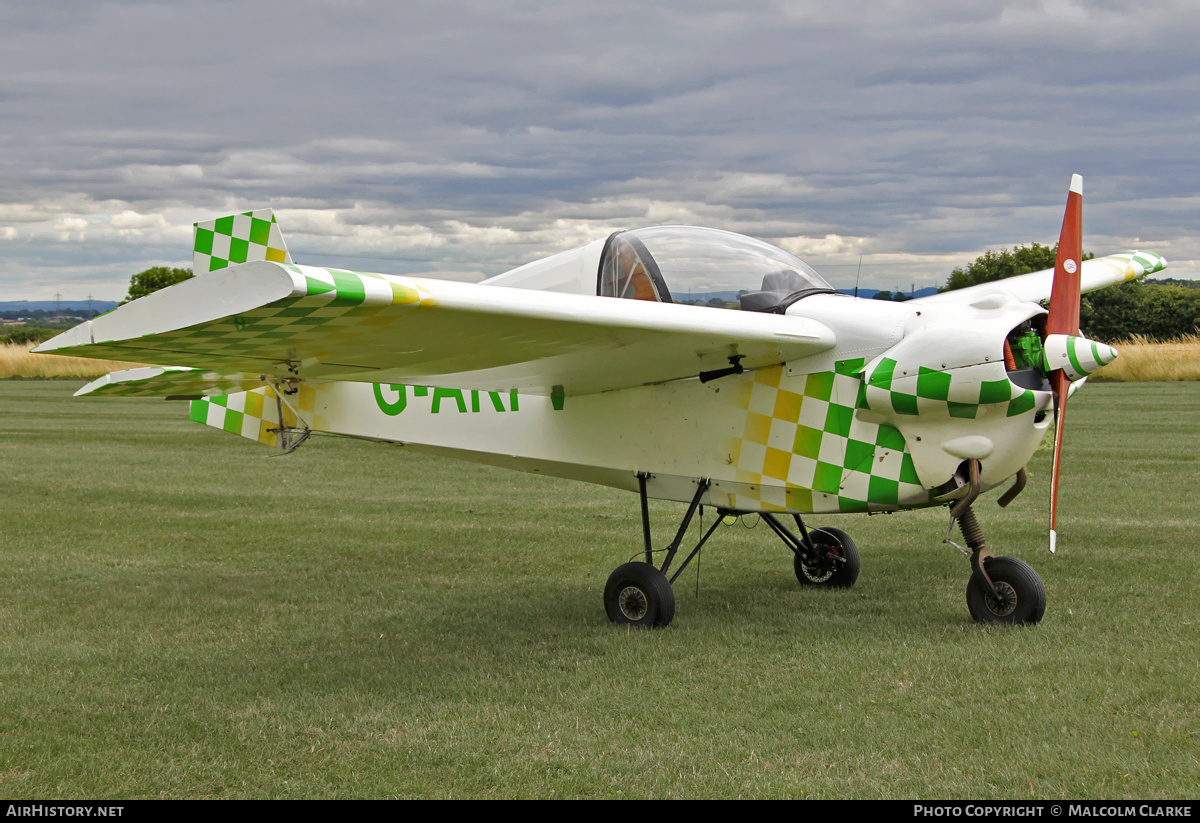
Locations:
(239, 238)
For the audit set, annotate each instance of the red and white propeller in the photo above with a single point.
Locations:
(1069, 356)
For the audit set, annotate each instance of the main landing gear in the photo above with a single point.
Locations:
(640, 594)
(1001, 589)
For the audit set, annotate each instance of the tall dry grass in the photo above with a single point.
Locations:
(17, 362)
(1144, 361)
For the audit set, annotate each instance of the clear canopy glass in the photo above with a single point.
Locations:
(710, 267)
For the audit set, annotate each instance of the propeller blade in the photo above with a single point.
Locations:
(1063, 318)
(1060, 383)
(1064, 293)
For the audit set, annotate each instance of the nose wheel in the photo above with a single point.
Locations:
(1017, 594)
(1001, 589)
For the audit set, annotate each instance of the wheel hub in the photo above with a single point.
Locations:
(1004, 602)
(633, 603)
(822, 567)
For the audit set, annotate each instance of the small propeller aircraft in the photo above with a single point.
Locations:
(597, 364)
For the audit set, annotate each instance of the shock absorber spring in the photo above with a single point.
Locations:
(972, 532)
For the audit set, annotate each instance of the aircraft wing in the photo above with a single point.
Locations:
(281, 320)
(1096, 273)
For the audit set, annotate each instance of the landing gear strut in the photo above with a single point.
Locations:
(1001, 589)
(639, 594)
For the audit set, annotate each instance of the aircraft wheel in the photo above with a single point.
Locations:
(830, 571)
(1022, 596)
(637, 594)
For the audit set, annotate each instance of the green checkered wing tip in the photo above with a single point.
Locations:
(237, 238)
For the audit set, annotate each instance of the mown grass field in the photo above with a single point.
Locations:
(186, 617)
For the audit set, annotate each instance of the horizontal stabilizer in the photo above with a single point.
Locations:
(169, 381)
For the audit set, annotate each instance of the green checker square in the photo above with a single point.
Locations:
(849, 504)
(859, 456)
(219, 400)
(807, 442)
(904, 403)
(204, 240)
(316, 286)
(827, 478)
(933, 385)
(239, 250)
(215, 263)
(995, 391)
(838, 420)
(295, 311)
(882, 376)
(964, 410)
(198, 412)
(233, 422)
(819, 385)
(890, 438)
(850, 367)
(260, 231)
(884, 491)
(908, 471)
(1022, 404)
(224, 226)
(350, 289)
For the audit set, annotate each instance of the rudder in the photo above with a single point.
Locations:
(237, 238)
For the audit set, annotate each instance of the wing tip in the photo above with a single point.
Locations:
(1077, 184)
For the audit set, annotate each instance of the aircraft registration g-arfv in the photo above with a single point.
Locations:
(593, 365)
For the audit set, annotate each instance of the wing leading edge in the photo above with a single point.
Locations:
(285, 320)
(1096, 273)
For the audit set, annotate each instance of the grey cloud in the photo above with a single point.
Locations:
(928, 129)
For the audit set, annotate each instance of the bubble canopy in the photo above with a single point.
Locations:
(688, 264)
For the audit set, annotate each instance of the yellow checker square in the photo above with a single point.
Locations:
(787, 406)
(799, 499)
(769, 376)
(254, 404)
(745, 476)
(758, 428)
(776, 464)
(265, 435)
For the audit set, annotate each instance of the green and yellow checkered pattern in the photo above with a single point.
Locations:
(253, 414)
(803, 449)
(239, 238)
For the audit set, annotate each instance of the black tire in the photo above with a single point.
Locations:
(830, 571)
(637, 594)
(1023, 597)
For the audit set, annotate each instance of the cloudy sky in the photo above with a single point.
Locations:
(464, 138)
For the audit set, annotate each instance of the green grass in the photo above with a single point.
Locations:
(186, 617)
